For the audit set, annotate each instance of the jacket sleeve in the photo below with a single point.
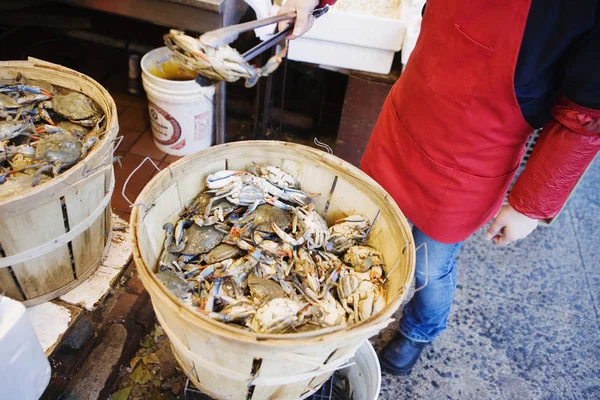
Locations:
(566, 146)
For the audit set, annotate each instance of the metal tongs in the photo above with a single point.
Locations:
(226, 35)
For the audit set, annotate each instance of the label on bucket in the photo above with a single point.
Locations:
(165, 128)
(179, 145)
(201, 126)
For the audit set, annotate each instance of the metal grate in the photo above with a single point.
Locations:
(191, 393)
(325, 392)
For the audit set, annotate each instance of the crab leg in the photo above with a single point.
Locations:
(286, 237)
(44, 168)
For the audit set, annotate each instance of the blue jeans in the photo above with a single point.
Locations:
(426, 315)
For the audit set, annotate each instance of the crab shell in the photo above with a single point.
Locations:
(333, 312)
(264, 289)
(201, 239)
(362, 258)
(72, 128)
(275, 175)
(59, 147)
(173, 283)
(74, 106)
(265, 214)
(221, 252)
(277, 316)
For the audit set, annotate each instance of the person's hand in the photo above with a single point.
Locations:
(304, 19)
(509, 226)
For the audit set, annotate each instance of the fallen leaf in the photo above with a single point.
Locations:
(156, 395)
(140, 375)
(151, 358)
(134, 362)
(176, 388)
(122, 394)
(159, 331)
(156, 382)
(146, 342)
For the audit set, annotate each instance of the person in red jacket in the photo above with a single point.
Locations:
(452, 132)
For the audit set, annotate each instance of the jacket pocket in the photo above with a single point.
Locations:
(457, 77)
(470, 201)
(422, 180)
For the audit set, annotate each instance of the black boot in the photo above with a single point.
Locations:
(400, 355)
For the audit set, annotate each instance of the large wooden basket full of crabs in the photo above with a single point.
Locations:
(265, 266)
(57, 131)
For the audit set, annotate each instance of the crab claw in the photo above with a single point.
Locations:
(221, 179)
(48, 129)
(37, 90)
(286, 237)
(283, 252)
(276, 203)
(43, 113)
(46, 93)
(352, 218)
(168, 227)
(224, 174)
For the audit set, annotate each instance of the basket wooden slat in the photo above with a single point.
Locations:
(219, 358)
(38, 217)
(17, 235)
(85, 247)
(9, 285)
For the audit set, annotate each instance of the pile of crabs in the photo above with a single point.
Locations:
(252, 251)
(44, 130)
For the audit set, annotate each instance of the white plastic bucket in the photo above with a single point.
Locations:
(24, 369)
(365, 374)
(181, 112)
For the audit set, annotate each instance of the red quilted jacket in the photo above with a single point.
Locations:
(566, 146)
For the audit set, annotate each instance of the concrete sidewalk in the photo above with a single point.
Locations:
(525, 321)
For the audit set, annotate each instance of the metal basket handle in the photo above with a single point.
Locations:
(131, 204)
(424, 244)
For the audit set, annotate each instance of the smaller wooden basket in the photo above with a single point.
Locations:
(53, 236)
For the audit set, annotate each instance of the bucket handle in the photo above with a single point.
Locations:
(55, 243)
(131, 204)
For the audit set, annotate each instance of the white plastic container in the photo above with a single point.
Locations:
(350, 41)
(24, 369)
(181, 112)
(365, 374)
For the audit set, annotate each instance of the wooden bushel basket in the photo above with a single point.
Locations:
(53, 236)
(229, 363)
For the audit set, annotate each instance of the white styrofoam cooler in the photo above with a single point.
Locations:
(350, 41)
